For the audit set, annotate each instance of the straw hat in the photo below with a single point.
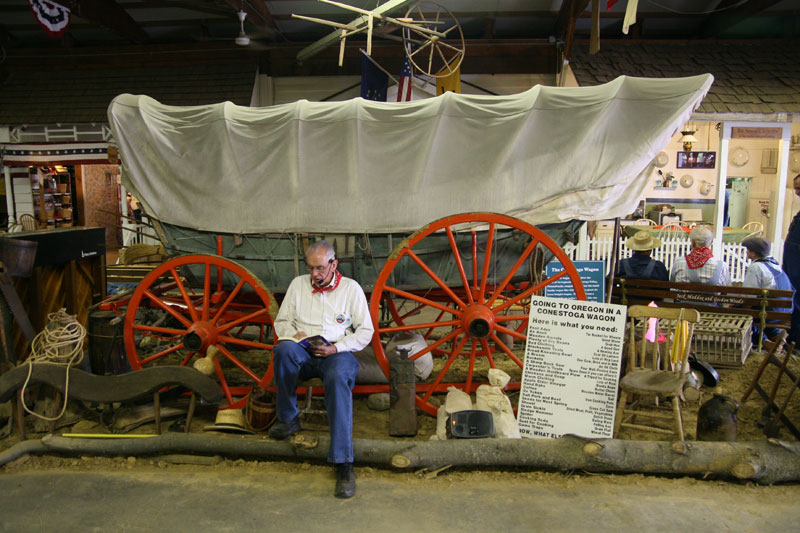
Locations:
(642, 241)
(229, 421)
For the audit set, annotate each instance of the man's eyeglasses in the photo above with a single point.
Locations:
(321, 268)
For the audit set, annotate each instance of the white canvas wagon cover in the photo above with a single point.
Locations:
(545, 155)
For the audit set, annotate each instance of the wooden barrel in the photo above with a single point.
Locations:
(18, 256)
(106, 348)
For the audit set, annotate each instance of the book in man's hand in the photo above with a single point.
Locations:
(308, 343)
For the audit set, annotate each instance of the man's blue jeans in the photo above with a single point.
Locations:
(291, 363)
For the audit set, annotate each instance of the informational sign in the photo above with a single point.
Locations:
(592, 275)
(756, 133)
(571, 369)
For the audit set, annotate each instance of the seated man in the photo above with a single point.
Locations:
(640, 265)
(765, 273)
(700, 265)
(328, 304)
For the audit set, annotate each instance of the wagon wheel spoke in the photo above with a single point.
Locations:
(414, 327)
(488, 351)
(233, 359)
(435, 345)
(436, 278)
(228, 301)
(445, 61)
(420, 49)
(453, 354)
(162, 354)
(192, 314)
(247, 318)
(499, 343)
(514, 333)
(459, 265)
(487, 260)
(182, 289)
(168, 308)
(207, 291)
(157, 329)
(243, 342)
(426, 301)
(503, 284)
(529, 291)
(223, 383)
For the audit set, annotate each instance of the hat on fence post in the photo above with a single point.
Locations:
(642, 241)
(229, 421)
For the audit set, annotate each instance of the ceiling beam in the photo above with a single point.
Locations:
(109, 14)
(727, 16)
(570, 10)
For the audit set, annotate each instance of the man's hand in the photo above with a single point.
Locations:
(324, 351)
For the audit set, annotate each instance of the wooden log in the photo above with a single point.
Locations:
(765, 462)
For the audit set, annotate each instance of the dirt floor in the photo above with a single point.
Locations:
(370, 424)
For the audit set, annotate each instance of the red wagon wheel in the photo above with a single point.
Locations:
(191, 303)
(460, 282)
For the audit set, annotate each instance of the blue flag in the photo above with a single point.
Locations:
(374, 81)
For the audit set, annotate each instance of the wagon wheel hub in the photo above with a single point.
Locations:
(200, 336)
(478, 320)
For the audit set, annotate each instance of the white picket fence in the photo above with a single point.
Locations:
(672, 246)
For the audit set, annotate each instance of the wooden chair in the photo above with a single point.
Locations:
(651, 372)
(28, 223)
(756, 229)
(673, 229)
(645, 222)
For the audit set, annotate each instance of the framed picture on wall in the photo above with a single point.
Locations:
(697, 159)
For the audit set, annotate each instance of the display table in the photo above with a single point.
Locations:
(728, 234)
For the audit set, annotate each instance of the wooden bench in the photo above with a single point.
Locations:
(721, 307)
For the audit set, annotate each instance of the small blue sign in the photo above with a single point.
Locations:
(592, 275)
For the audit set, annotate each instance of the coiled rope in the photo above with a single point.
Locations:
(60, 343)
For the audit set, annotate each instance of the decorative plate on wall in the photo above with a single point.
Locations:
(661, 159)
(739, 156)
(687, 180)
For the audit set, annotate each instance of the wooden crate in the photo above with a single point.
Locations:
(723, 340)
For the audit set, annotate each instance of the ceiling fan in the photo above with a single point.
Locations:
(242, 39)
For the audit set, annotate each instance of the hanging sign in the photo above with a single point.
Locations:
(571, 369)
(52, 17)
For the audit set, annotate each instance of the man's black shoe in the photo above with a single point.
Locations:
(282, 430)
(345, 481)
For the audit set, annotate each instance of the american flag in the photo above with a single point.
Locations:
(404, 86)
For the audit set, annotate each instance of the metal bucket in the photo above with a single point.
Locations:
(18, 256)
(106, 348)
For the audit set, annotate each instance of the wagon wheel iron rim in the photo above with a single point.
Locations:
(428, 52)
(194, 304)
(472, 298)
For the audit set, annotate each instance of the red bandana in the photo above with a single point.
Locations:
(698, 257)
(336, 279)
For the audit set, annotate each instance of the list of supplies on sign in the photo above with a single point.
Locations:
(571, 369)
